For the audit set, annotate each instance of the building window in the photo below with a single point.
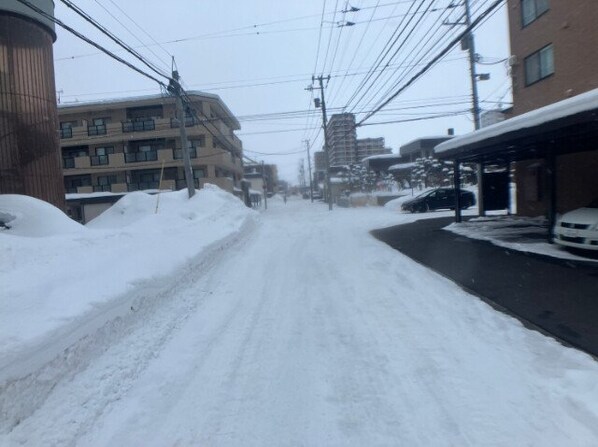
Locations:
(71, 183)
(143, 151)
(98, 127)
(539, 65)
(139, 125)
(66, 129)
(104, 183)
(101, 157)
(532, 9)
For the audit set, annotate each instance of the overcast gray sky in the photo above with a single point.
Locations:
(259, 55)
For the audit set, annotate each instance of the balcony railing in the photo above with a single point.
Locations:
(177, 154)
(102, 188)
(136, 157)
(67, 132)
(139, 126)
(99, 129)
(142, 186)
(98, 160)
(189, 122)
(68, 163)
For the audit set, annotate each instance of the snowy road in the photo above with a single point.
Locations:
(310, 332)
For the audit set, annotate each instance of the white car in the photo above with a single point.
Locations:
(578, 228)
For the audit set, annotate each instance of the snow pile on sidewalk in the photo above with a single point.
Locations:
(57, 275)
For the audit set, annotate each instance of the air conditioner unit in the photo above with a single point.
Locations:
(513, 60)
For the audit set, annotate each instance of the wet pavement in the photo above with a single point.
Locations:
(557, 296)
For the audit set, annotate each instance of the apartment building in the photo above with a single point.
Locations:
(554, 57)
(553, 47)
(122, 145)
(342, 139)
(367, 147)
(550, 138)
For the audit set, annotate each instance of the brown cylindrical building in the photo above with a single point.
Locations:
(29, 146)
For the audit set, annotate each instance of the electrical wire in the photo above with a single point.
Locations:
(115, 39)
(441, 54)
(89, 41)
(129, 30)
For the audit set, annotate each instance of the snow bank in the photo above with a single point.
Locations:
(28, 216)
(69, 274)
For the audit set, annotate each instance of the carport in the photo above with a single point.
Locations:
(545, 135)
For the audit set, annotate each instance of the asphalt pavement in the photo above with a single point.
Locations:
(558, 297)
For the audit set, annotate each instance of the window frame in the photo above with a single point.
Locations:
(536, 14)
(541, 65)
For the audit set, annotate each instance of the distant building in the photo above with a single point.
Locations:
(380, 163)
(29, 148)
(420, 148)
(262, 174)
(366, 147)
(320, 161)
(342, 139)
(121, 145)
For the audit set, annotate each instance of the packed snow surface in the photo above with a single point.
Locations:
(303, 330)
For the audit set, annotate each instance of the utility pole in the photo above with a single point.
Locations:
(468, 43)
(322, 103)
(472, 70)
(311, 185)
(476, 102)
(176, 90)
(265, 188)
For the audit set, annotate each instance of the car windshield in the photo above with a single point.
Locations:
(425, 193)
(236, 223)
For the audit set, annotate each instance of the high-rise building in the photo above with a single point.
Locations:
(342, 139)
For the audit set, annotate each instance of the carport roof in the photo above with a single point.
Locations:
(570, 125)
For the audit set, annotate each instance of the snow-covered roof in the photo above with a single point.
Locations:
(402, 166)
(381, 157)
(571, 106)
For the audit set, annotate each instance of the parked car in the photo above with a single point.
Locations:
(578, 228)
(436, 199)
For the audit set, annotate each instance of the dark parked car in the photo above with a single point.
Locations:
(436, 199)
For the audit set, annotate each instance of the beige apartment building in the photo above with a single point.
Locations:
(121, 145)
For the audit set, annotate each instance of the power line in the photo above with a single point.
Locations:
(396, 35)
(89, 41)
(450, 46)
(129, 30)
(140, 28)
(115, 39)
(397, 50)
(408, 67)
